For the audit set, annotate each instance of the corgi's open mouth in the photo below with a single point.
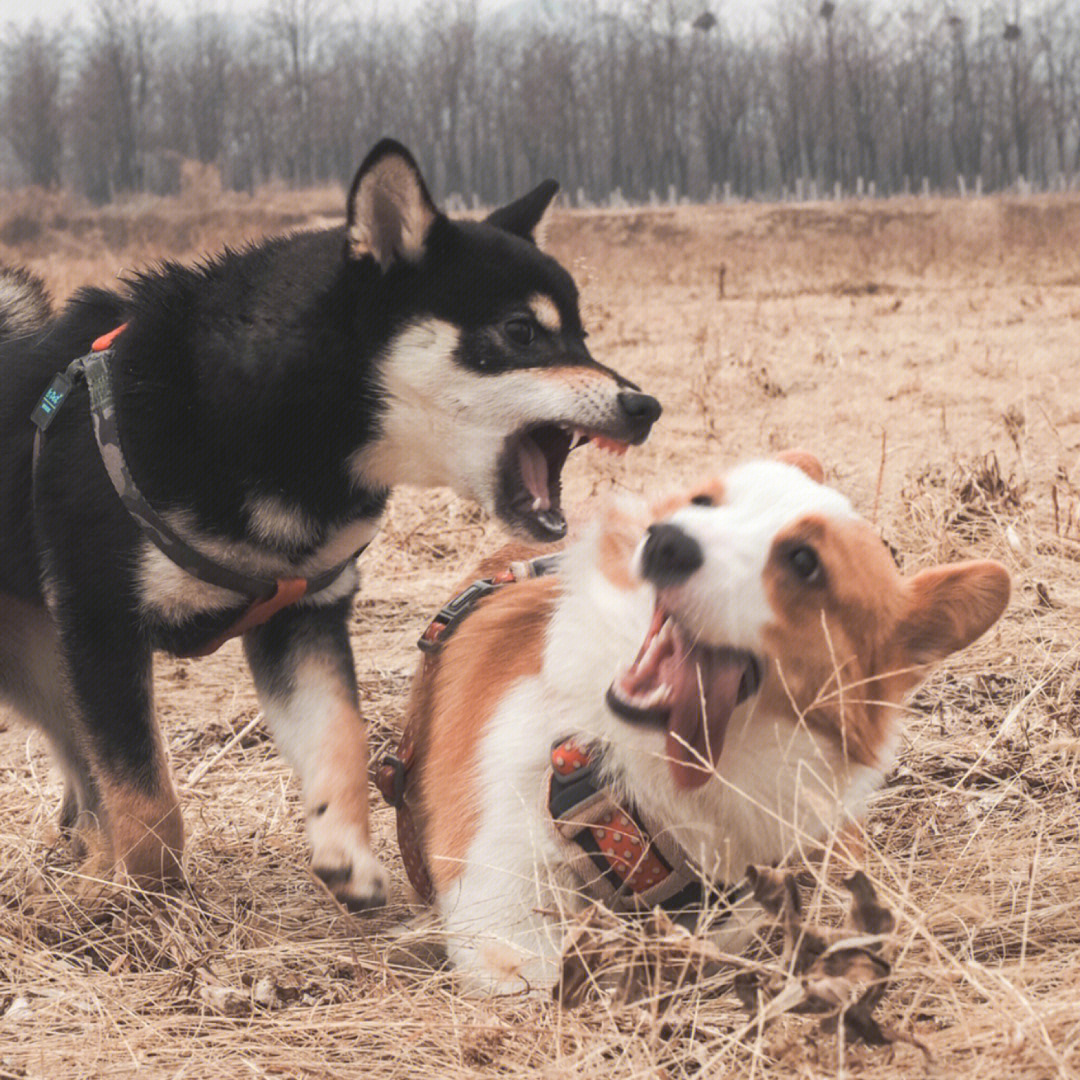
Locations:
(530, 476)
(689, 688)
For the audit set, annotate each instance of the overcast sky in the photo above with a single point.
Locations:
(22, 12)
(736, 12)
(52, 11)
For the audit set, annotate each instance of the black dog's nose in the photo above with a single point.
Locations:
(669, 556)
(642, 409)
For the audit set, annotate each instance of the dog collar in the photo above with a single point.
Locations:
(268, 595)
(620, 860)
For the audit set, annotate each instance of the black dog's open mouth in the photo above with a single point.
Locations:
(688, 688)
(530, 475)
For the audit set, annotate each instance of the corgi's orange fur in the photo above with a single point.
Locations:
(736, 655)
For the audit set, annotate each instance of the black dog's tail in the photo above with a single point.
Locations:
(24, 303)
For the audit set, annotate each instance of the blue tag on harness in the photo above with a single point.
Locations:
(52, 399)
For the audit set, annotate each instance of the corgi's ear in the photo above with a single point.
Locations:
(527, 217)
(948, 607)
(803, 459)
(389, 212)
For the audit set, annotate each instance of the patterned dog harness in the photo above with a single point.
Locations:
(619, 860)
(392, 775)
(268, 595)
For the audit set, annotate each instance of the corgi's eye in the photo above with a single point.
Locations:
(519, 331)
(703, 500)
(805, 562)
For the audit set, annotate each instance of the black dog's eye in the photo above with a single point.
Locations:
(805, 562)
(519, 331)
(703, 500)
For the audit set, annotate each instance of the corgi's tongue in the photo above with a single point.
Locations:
(704, 695)
(691, 689)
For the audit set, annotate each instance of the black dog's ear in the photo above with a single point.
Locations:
(527, 217)
(389, 210)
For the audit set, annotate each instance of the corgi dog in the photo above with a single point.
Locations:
(221, 443)
(702, 684)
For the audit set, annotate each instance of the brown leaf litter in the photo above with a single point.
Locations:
(840, 975)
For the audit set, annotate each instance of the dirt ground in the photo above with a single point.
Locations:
(927, 352)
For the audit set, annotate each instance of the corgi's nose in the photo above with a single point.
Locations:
(669, 556)
(642, 410)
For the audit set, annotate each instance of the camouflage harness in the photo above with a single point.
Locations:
(267, 595)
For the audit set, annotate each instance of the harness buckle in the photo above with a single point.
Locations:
(446, 622)
(573, 778)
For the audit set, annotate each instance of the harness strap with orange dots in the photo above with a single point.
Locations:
(267, 595)
(620, 861)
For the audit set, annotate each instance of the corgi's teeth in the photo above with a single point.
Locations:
(657, 696)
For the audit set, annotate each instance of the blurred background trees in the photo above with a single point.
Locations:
(619, 99)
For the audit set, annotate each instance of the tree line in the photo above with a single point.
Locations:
(632, 99)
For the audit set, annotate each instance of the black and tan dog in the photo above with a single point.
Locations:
(218, 463)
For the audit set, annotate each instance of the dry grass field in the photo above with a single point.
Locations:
(927, 352)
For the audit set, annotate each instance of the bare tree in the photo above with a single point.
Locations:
(205, 65)
(641, 96)
(32, 107)
(110, 99)
(300, 29)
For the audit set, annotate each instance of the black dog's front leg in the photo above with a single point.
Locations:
(303, 668)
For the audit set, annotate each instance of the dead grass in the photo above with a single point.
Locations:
(925, 351)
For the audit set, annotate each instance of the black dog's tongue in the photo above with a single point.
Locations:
(708, 678)
(543, 488)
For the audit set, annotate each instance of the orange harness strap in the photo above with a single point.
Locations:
(289, 590)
